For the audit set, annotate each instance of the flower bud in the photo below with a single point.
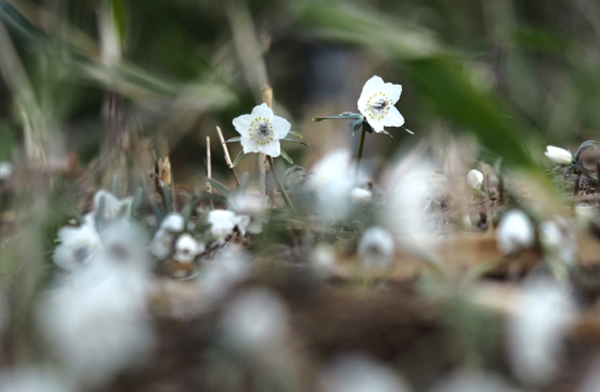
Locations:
(361, 197)
(475, 179)
(558, 155)
(515, 232)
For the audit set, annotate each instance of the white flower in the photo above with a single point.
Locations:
(223, 222)
(361, 197)
(332, 180)
(187, 248)
(558, 155)
(77, 246)
(173, 222)
(113, 207)
(162, 244)
(253, 207)
(125, 243)
(323, 260)
(261, 130)
(376, 248)
(6, 170)
(545, 313)
(515, 232)
(475, 179)
(377, 101)
(357, 373)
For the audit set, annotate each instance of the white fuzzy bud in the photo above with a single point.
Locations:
(558, 155)
(515, 232)
(475, 178)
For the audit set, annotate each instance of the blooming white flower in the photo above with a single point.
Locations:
(187, 248)
(6, 170)
(223, 222)
(377, 101)
(475, 178)
(113, 206)
(361, 196)
(125, 243)
(558, 155)
(515, 232)
(332, 180)
(77, 246)
(546, 311)
(261, 130)
(376, 248)
(357, 373)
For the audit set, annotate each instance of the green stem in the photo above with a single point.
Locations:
(361, 146)
(280, 184)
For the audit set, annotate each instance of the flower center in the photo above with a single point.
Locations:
(261, 130)
(81, 253)
(379, 105)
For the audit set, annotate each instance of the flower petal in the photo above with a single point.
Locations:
(375, 124)
(392, 91)
(249, 145)
(272, 148)
(242, 124)
(281, 127)
(372, 86)
(393, 118)
(262, 110)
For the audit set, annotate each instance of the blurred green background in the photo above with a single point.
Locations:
(517, 74)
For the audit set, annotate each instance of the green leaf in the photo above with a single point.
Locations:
(285, 156)
(137, 201)
(239, 158)
(289, 139)
(156, 208)
(220, 187)
(244, 182)
(234, 139)
(214, 197)
(296, 134)
(356, 125)
(408, 130)
(189, 207)
(341, 116)
(167, 198)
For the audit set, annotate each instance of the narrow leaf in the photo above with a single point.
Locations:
(167, 199)
(285, 156)
(220, 187)
(296, 134)
(234, 139)
(288, 139)
(239, 158)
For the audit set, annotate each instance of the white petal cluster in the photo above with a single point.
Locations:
(78, 245)
(187, 248)
(475, 179)
(223, 222)
(559, 156)
(536, 332)
(515, 232)
(261, 131)
(377, 101)
(376, 248)
(253, 206)
(357, 373)
(332, 181)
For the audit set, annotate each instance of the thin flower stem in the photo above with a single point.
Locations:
(280, 184)
(361, 146)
